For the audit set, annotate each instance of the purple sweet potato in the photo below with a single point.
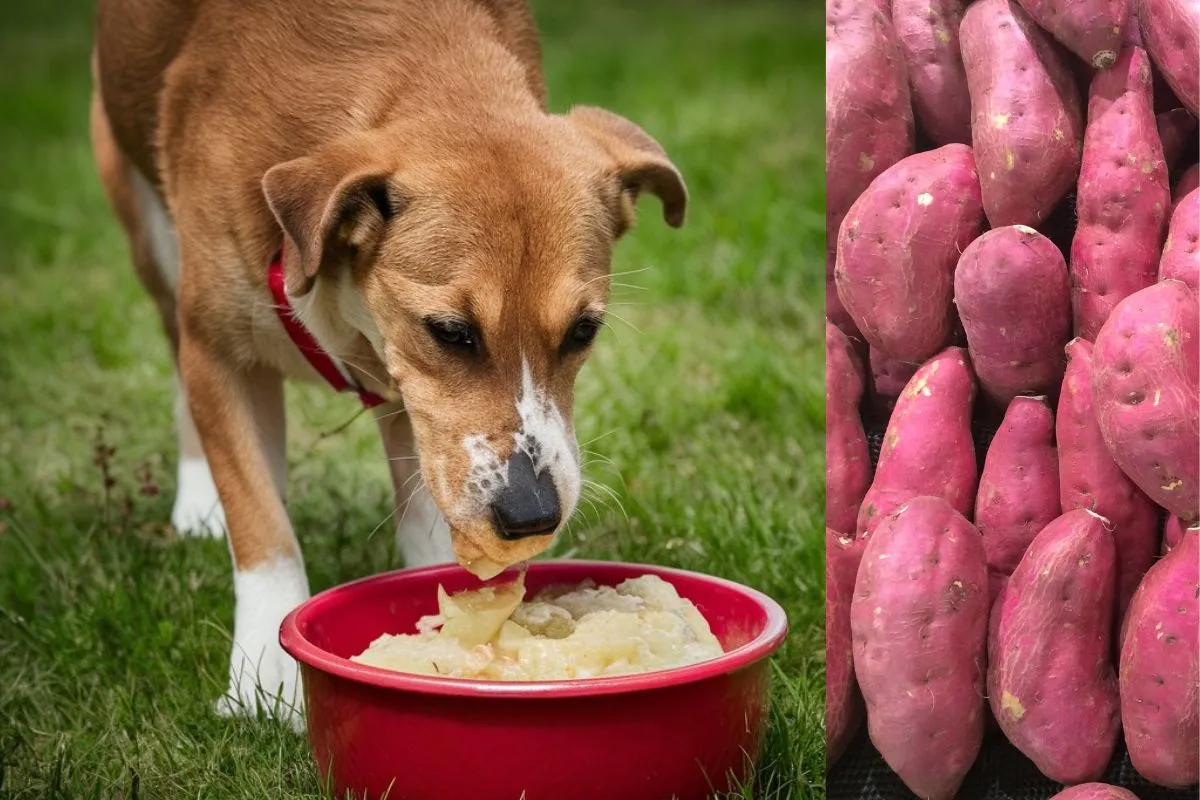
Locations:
(919, 621)
(1177, 132)
(847, 459)
(927, 448)
(1171, 31)
(928, 34)
(1090, 478)
(1026, 113)
(868, 113)
(1050, 675)
(1145, 376)
(843, 702)
(1160, 682)
(898, 246)
(1018, 487)
(1187, 183)
(889, 376)
(1173, 533)
(1181, 253)
(1014, 298)
(1092, 30)
(1123, 194)
(1095, 791)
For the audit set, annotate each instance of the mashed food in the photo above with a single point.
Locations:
(584, 631)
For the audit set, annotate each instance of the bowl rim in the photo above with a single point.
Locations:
(757, 649)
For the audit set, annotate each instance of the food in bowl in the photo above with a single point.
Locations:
(562, 633)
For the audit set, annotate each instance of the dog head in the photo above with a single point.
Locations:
(476, 269)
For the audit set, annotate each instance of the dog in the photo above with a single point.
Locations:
(372, 192)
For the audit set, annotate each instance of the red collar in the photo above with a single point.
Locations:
(334, 373)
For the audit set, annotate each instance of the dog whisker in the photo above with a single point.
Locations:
(612, 313)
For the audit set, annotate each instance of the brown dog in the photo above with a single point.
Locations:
(444, 239)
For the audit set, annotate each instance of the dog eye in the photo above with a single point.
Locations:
(452, 333)
(581, 334)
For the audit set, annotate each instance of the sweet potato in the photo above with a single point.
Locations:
(1018, 487)
(1095, 791)
(1123, 194)
(898, 246)
(889, 376)
(1173, 533)
(1014, 298)
(1160, 682)
(1090, 478)
(843, 702)
(868, 113)
(1144, 389)
(1050, 675)
(919, 621)
(1177, 132)
(1187, 183)
(927, 31)
(1092, 30)
(1026, 114)
(927, 448)
(1171, 31)
(1181, 253)
(847, 460)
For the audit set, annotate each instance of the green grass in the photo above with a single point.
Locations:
(706, 419)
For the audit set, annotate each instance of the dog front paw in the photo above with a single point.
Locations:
(263, 679)
(198, 510)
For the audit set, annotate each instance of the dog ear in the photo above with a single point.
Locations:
(642, 164)
(330, 208)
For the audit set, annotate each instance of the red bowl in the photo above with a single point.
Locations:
(681, 733)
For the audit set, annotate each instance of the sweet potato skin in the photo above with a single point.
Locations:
(1187, 183)
(1122, 197)
(889, 376)
(843, 702)
(1177, 132)
(1090, 478)
(1026, 113)
(927, 31)
(1144, 388)
(868, 111)
(1160, 682)
(1091, 30)
(1171, 31)
(1181, 252)
(847, 459)
(898, 246)
(919, 621)
(1014, 298)
(1172, 533)
(1051, 683)
(1095, 791)
(927, 448)
(1018, 487)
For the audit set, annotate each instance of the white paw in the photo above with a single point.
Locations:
(197, 510)
(262, 677)
(423, 536)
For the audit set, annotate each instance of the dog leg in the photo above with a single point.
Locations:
(422, 535)
(239, 417)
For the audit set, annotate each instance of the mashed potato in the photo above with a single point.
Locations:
(641, 625)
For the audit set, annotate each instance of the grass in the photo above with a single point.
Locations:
(705, 414)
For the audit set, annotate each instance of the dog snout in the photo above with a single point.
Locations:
(528, 505)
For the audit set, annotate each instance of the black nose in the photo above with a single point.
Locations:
(528, 505)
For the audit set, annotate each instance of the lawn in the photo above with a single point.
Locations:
(702, 409)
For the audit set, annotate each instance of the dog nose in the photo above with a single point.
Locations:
(528, 505)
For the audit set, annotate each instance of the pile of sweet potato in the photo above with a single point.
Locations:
(1013, 224)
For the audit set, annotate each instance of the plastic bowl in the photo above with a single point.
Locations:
(680, 733)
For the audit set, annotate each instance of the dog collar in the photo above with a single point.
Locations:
(328, 367)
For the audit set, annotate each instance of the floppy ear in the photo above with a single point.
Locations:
(642, 164)
(330, 209)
